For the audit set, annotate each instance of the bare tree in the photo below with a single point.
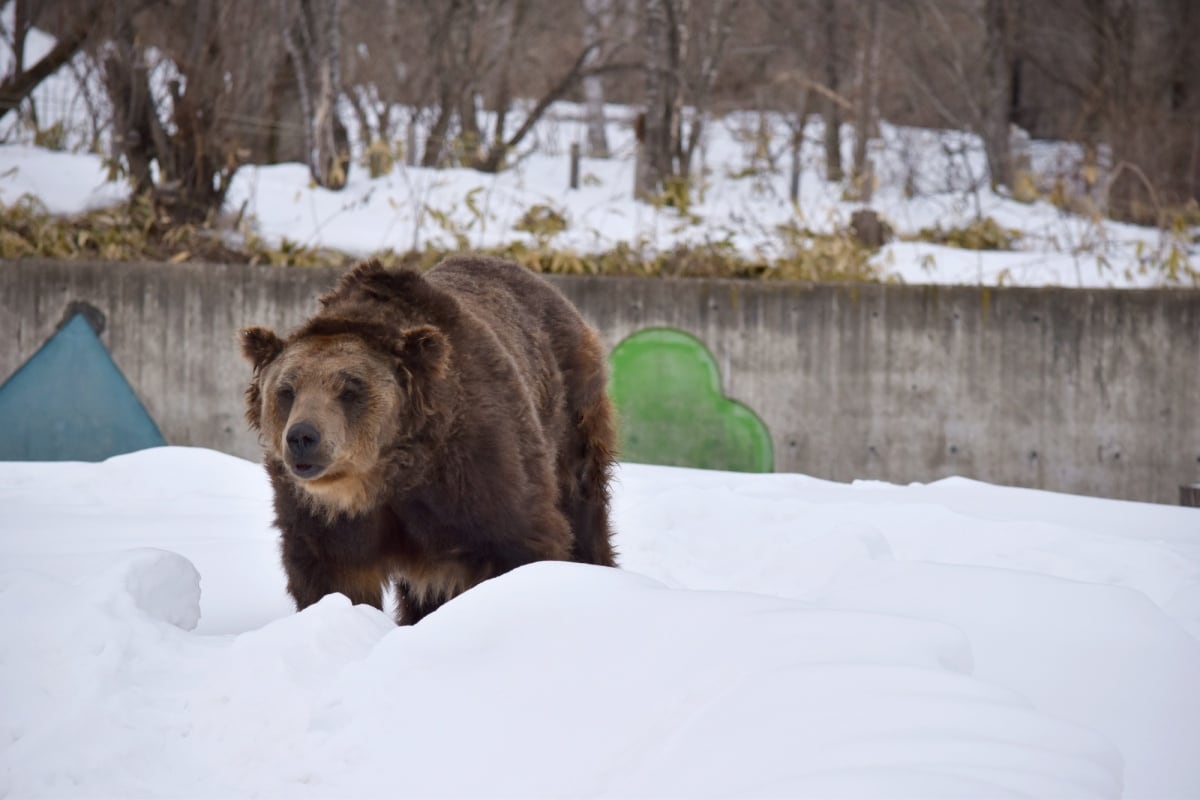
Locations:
(501, 146)
(444, 22)
(1118, 77)
(194, 172)
(659, 120)
(958, 61)
(714, 33)
(311, 34)
(199, 131)
(497, 51)
(1183, 103)
(20, 82)
(597, 16)
(867, 105)
(833, 115)
(684, 45)
(217, 83)
(999, 19)
(387, 62)
(796, 122)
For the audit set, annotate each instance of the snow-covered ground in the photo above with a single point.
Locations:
(766, 636)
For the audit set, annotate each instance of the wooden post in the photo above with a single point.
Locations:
(410, 144)
(574, 165)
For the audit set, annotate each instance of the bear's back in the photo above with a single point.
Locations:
(490, 286)
(526, 314)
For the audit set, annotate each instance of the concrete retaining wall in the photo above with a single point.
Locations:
(1085, 391)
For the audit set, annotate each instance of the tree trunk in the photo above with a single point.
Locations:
(795, 146)
(998, 31)
(125, 80)
(656, 122)
(469, 136)
(435, 142)
(311, 36)
(297, 43)
(864, 122)
(21, 26)
(677, 52)
(450, 44)
(1184, 108)
(720, 18)
(596, 17)
(367, 132)
(833, 114)
(333, 155)
(1128, 198)
(195, 155)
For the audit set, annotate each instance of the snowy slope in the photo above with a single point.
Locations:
(742, 200)
(767, 635)
(412, 207)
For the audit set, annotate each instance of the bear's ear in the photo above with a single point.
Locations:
(423, 351)
(367, 275)
(260, 346)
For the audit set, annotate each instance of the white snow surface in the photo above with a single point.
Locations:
(765, 636)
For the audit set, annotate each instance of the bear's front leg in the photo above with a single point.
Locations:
(309, 576)
(312, 573)
(412, 607)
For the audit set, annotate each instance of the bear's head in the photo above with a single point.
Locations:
(335, 402)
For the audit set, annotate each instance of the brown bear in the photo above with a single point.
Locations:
(433, 430)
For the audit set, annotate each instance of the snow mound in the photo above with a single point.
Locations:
(768, 635)
(556, 679)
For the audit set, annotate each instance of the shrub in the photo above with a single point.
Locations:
(980, 234)
(380, 159)
(543, 222)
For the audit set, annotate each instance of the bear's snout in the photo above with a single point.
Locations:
(303, 441)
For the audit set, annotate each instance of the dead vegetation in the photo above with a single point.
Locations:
(136, 231)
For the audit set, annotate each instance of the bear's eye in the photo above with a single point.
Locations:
(349, 394)
(285, 394)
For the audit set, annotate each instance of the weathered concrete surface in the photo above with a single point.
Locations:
(1088, 391)
(171, 329)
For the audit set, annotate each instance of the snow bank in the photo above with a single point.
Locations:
(65, 183)
(769, 635)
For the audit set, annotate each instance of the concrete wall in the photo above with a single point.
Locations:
(1093, 392)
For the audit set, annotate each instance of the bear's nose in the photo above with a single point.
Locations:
(302, 439)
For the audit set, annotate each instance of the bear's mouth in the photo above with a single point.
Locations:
(307, 471)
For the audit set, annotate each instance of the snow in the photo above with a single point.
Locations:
(413, 207)
(64, 183)
(765, 636)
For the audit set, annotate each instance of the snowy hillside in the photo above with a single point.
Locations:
(742, 200)
(412, 207)
(767, 636)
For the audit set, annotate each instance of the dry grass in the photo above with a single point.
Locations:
(136, 232)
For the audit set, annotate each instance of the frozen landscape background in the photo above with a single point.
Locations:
(766, 636)
(926, 179)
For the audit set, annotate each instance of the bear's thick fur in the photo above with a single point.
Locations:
(433, 430)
